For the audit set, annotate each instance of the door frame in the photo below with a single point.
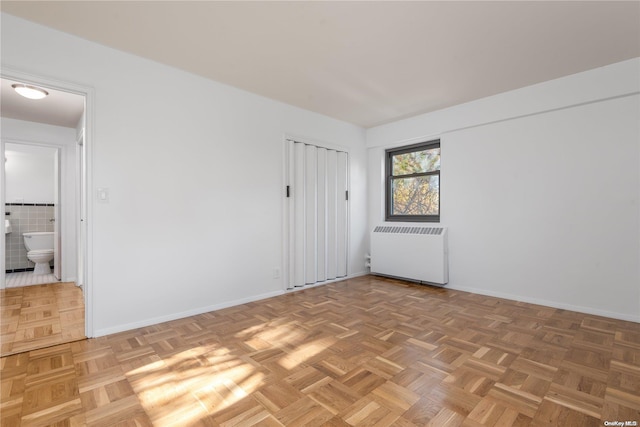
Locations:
(57, 216)
(86, 248)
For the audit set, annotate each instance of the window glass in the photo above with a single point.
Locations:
(416, 196)
(413, 183)
(416, 162)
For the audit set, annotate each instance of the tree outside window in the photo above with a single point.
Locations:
(413, 183)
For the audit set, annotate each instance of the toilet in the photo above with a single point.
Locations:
(39, 250)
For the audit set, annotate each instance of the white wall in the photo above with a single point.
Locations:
(29, 174)
(540, 190)
(194, 172)
(49, 136)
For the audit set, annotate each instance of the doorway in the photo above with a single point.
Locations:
(72, 265)
(32, 213)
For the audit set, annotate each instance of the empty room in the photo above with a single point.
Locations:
(321, 213)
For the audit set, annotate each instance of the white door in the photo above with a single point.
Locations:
(2, 210)
(57, 246)
(81, 229)
(317, 182)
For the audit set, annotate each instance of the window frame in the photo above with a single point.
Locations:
(389, 178)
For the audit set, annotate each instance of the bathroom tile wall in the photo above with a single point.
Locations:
(24, 218)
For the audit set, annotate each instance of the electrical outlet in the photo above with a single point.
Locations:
(276, 273)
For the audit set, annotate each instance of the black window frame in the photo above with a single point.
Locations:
(389, 177)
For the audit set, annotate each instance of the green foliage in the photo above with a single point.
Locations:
(416, 162)
(417, 195)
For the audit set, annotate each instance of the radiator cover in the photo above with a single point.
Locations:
(418, 253)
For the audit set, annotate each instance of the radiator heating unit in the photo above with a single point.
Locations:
(411, 252)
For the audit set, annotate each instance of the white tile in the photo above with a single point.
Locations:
(27, 278)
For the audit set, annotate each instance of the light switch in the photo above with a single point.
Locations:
(103, 195)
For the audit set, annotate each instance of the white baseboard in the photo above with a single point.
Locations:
(181, 315)
(194, 312)
(359, 274)
(326, 282)
(554, 304)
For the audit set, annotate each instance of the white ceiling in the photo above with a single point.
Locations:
(58, 108)
(364, 62)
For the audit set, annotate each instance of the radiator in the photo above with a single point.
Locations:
(416, 253)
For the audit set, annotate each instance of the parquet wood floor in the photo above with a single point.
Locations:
(362, 352)
(40, 316)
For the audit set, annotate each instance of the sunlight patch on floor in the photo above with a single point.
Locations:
(193, 384)
(304, 352)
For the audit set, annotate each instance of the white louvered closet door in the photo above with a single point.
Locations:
(316, 179)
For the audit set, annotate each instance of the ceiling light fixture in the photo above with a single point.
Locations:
(28, 91)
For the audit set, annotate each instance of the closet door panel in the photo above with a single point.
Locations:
(341, 216)
(311, 213)
(298, 190)
(321, 219)
(332, 194)
(291, 212)
(317, 212)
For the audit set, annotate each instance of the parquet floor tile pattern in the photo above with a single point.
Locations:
(362, 352)
(40, 316)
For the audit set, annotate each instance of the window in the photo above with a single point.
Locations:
(413, 183)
